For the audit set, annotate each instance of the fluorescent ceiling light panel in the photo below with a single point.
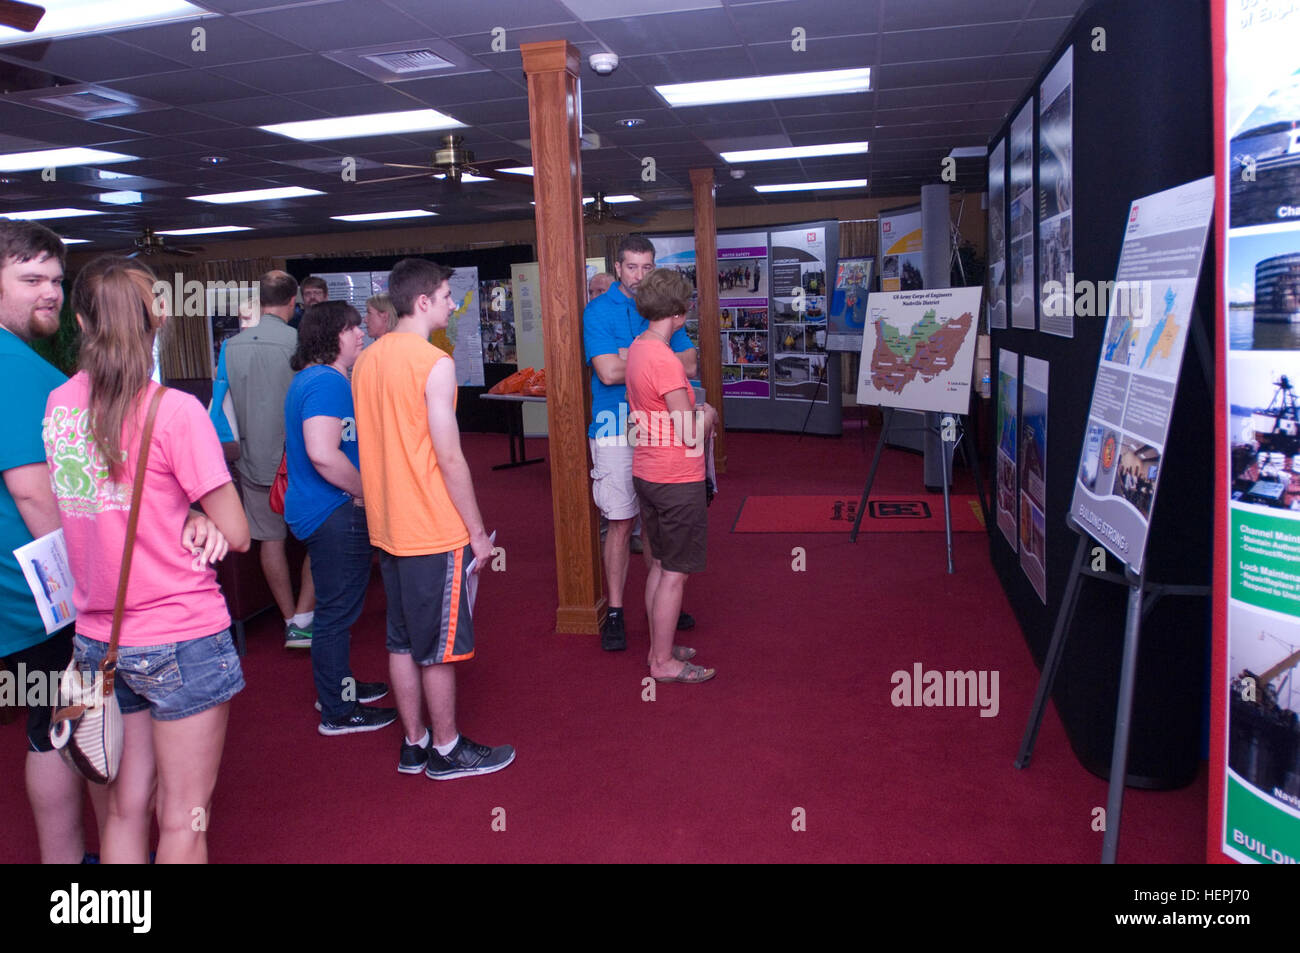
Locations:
(968, 152)
(796, 152)
(751, 88)
(384, 216)
(369, 124)
(76, 241)
(614, 199)
(80, 17)
(210, 230)
(58, 158)
(120, 198)
(813, 186)
(519, 170)
(256, 195)
(44, 214)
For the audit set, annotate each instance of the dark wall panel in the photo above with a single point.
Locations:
(1143, 122)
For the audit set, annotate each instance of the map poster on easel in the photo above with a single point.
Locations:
(1137, 374)
(918, 349)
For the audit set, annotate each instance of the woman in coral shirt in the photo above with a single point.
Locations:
(668, 468)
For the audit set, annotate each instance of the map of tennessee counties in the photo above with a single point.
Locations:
(926, 351)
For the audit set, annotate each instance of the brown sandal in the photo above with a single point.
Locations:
(691, 674)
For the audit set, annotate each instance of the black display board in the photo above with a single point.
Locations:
(1143, 122)
(473, 415)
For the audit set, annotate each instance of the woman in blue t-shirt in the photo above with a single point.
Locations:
(324, 509)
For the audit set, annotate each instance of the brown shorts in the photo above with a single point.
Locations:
(674, 519)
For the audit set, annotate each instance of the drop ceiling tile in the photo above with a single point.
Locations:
(648, 34)
(1056, 8)
(228, 139)
(250, 6)
(1015, 65)
(949, 113)
(512, 131)
(942, 44)
(914, 96)
(290, 74)
(492, 111)
(223, 40)
(486, 44)
(626, 101)
(775, 22)
(711, 117)
(184, 87)
(823, 105)
(936, 73)
(837, 127)
(260, 111)
(358, 100)
(339, 25)
(724, 63)
(460, 19)
(445, 91)
(831, 53)
(911, 15)
(93, 59)
(167, 121)
(1041, 34)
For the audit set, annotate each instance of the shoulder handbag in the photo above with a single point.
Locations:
(280, 486)
(87, 731)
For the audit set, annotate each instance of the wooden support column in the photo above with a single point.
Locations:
(706, 282)
(554, 116)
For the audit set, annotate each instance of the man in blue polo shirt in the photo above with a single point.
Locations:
(609, 325)
(31, 296)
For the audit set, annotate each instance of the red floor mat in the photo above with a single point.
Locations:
(922, 513)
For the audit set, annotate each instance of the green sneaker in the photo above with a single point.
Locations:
(296, 637)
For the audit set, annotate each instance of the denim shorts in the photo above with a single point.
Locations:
(171, 681)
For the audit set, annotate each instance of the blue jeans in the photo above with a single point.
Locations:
(340, 568)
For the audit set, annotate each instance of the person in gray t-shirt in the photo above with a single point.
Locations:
(257, 366)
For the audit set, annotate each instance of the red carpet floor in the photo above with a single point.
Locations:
(798, 725)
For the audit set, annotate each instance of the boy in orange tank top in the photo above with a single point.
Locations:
(423, 518)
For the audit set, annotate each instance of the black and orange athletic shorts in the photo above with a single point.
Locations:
(428, 613)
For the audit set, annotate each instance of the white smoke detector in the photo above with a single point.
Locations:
(604, 63)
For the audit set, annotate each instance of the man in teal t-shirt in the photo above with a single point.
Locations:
(31, 296)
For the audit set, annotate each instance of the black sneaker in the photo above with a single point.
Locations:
(467, 758)
(367, 692)
(361, 719)
(613, 637)
(685, 622)
(414, 757)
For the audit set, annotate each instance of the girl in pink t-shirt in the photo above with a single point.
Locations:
(668, 433)
(177, 668)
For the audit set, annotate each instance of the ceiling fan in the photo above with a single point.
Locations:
(20, 16)
(452, 162)
(599, 210)
(149, 244)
